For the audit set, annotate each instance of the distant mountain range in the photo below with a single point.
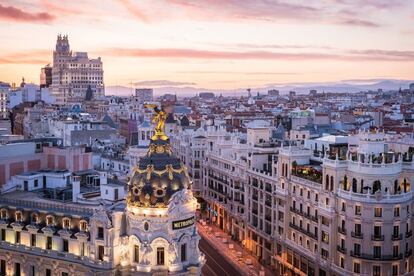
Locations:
(350, 86)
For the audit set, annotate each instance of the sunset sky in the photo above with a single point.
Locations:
(214, 43)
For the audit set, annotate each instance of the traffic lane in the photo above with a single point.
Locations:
(216, 262)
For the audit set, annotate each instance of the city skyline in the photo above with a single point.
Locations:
(212, 45)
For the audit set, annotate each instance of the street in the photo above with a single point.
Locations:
(216, 265)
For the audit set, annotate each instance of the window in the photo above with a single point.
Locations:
(343, 207)
(32, 270)
(160, 256)
(324, 253)
(184, 252)
(357, 268)
(3, 234)
(65, 274)
(33, 240)
(136, 253)
(66, 223)
(394, 270)
(396, 211)
(101, 251)
(357, 210)
(378, 212)
(83, 226)
(4, 214)
(18, 216)
(100, 233)
(17, 237)
(377, 251)
(17, 270)
(2, 267)
(325, 237)
(49, 243)
(357, 249)
(396, 231)
(376, 270)
(35, 218)
(82, 249)
(65, 245)
(377, 231)
(49, 220)
(395, 250)
(342, 262)
(357, 229)
(36, 183)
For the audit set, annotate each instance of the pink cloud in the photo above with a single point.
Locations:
(180, 53)
(134, 10)
(10, 13)
(40, 57)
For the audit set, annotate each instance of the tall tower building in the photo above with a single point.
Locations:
(73, 74)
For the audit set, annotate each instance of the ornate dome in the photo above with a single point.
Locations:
(157, 177)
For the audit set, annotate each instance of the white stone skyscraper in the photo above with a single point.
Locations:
(73, 74)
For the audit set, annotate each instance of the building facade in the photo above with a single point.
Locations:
(333, 206)
(73, 74)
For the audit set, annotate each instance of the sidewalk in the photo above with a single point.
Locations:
(232, 251)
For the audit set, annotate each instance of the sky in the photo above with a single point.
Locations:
(213, 44)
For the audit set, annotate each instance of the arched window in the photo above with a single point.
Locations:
(376, 186)
(354, 185)
(35, 218)
(66, 223)
(4, 214)
(83, 226)
(50, 220)
(397, 188)
(406, 186)
(18, 216)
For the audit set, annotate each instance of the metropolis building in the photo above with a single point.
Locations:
(79, 229)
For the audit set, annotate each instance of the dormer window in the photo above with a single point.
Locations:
(18, 216)
(66, 223)
(35, 218)
(50, 220)
(83, 226)
(4, 214)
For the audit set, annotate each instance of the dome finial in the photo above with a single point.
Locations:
(159, 118)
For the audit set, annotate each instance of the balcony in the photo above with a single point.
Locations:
(341, 249)
(396, 237)
(308, 216)
(409, 234)
(342, 230)
(312, 235)
(357, 235)
(377, 258)
(377, 237)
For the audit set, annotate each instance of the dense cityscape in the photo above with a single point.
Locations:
(296, 184)
(105, 173)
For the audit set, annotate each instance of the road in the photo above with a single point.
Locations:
(216, 264)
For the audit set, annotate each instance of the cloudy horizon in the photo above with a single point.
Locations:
(214, 44)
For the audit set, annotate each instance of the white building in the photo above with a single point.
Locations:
(75, 77)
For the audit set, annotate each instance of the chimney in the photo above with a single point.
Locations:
(75, 188)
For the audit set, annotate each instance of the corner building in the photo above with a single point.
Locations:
(153, 232)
